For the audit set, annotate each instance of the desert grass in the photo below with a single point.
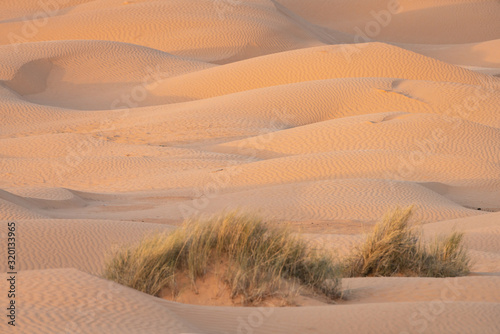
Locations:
(256, 261)
(259, 261)
(395, 248)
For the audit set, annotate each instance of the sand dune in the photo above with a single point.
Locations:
(93, 303)
(120, 118)
(205, 30)
(66, 69)
(481, 54)
(406, 21)
(339, 61)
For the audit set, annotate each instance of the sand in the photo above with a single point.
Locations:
(121, 118)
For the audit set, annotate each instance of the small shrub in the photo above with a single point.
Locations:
(395, 249)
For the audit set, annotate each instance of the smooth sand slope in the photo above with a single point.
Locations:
(121, 118)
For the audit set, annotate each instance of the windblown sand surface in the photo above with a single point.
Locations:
(121, 118)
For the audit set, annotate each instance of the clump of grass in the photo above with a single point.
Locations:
(257, 258)
(395, 248)
(447, 257)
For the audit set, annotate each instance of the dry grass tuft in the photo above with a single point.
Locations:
(255, 262)
(395, 249)
(259, 261)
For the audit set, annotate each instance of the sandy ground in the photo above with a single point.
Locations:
(121, 118)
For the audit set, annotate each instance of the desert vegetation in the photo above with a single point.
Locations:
(255, 261)
(396, 248)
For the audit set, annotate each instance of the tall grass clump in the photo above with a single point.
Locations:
(256, 261)
(395, 248)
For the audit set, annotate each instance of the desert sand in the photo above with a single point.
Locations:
(122, 118)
